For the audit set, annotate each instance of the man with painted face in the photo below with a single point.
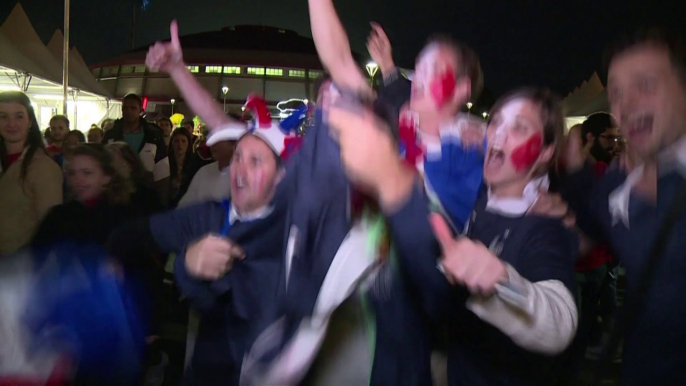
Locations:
(447, 75)
(639, 211)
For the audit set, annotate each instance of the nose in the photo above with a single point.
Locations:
(500, 136)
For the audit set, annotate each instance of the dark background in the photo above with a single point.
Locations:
(557, 43)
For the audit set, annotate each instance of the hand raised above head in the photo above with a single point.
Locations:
(168, 56)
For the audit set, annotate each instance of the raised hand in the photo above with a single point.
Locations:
(166, 57)
(212, 257)
(379, 48)
(467, 262)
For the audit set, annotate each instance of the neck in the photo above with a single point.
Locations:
(14, 147)
(223, 164)
(514, 189)
(245, 211)
(180, 158)
(132, 127)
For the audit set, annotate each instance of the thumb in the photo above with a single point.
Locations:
(441, 230)
(174, 32)
(237, 252)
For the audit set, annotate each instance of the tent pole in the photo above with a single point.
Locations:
(65, 58)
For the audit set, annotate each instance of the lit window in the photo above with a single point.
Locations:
(315, 74)
(194, 69)
(126, 69)
(274, 72)
(139, 69)
(255, 70)
(96, 72)
(111, 70)
(213, 69)
(296, 73)
(232, 70)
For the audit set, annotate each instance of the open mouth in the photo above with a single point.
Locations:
(639, 127)
(495, 158)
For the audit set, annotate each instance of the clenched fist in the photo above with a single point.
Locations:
(212, 257)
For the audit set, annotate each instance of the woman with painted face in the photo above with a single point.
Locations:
(30, 181)
(504, 286)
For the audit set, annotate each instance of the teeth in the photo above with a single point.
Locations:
(240, 182)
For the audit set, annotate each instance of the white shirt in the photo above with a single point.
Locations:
(208, 184)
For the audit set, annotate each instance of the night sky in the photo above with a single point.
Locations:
(557, 43)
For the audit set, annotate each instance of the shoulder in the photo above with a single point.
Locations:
(42, 162)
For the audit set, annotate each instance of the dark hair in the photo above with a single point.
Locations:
(552, 115)
(165, 119)
(119, 190)
(79, 134)
(62, 118)
(670, 40)
(596, 124)
(134, 97)
(467, 61)
(34, 139)
(139, 174)
(173, 162)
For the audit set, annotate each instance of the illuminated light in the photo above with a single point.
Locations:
(274, 72)
(469, 105)
(372, 68)
(173, 101)
(234, 70)
(314, 74)
(9, 88)
(194, 69)
(213, 69)
(296, 73)
(49, 97)
(145, 103)
(242, 108)
(485, 115)
(225, 90)
(255, 70)
(139, 69)
(305, 101)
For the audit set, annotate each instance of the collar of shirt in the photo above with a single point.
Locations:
(518, 206)
(673, 158)
(252, 216)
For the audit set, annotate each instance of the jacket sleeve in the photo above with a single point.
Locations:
(198, 292)
(395, 90)
(419, 251)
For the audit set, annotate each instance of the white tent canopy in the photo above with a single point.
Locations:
(27, 65)
(589, 98)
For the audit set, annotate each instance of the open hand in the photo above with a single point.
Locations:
(379, 48)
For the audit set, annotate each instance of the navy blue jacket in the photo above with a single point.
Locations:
(655, 348)
(235, 307)
(538, 248)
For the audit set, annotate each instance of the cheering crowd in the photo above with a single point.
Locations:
(399, 241)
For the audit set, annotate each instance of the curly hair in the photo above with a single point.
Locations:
(139, 175)
(120, 188)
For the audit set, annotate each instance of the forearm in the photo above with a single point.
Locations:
(199, 100)
(333, 46)
(540, 317)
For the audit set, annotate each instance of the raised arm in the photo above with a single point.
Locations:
(167, 57)
(333, 47)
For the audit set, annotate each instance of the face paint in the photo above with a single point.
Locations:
(442, 87)
(525, 155)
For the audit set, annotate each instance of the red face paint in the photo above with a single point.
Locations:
(525, 155)
(442, 87)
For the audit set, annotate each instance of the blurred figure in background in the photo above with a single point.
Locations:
(145, 139)
(30, 181)
(107, 124)
(72, 139)
(59, 128)
(180, 164)
(144, 197)
(166, 125)
(95, 135)
(212, 182)
(600, 136)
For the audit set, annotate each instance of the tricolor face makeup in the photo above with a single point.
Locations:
(648, 99)
(435, 82)
(253, 173)
(515, 146)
